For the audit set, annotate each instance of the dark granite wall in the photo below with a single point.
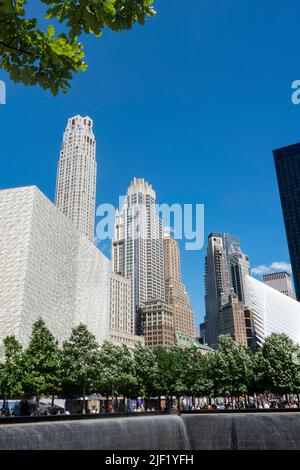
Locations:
(205, 431)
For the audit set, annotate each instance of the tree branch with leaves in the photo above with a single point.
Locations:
(35, 57)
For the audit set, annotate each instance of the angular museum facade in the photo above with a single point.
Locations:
(48, 269)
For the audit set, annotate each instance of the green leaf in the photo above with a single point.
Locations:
(51, 31)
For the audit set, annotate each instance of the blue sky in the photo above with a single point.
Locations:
(194, 102)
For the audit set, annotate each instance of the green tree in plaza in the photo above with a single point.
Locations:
(171, 372)
(277, 365)
(81, 367)
(49, 59)
(197, 373)
(41, 363)
(179, 363)
(145, 368)
(230, 368)
(11, 369)
(79, 363)
(115, 371)
(164, 373)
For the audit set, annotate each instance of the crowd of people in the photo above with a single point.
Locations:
(7, 412)
(241, 405)
(27, 408)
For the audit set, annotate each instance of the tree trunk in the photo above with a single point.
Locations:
(112, 402)
(255, 400)
(37, 403)
(52, 400)
(83, 400)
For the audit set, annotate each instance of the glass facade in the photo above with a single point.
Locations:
(287, 163)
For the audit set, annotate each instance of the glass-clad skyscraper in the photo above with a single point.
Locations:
(287, 163)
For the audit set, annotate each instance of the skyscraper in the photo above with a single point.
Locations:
(280, 281)
(217, 285)
(176, 295)
(287, 164)
(137, 249)
(237, 321)
(76, 174)
(226, 268)
(238, 265)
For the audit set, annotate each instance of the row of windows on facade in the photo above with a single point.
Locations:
(78, 195)
(76, 156)
(74, 170)
(76, 211)
(79, 143)
(70, 178)
(76, 133)
(77, 150)
(77, 168)
(79, 189)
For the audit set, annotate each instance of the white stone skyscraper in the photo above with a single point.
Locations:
(76, 174)
(137, 249)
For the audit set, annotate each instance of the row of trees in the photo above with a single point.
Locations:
(81, 367)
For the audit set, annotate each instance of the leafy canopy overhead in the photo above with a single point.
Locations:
(33, 56)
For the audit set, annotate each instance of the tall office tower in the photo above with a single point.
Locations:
(226, 268)
(76, 175)
(236, 320)
(238, 265)
(280, 281)
(176, 295)
(287, 163)
(202, 338)
(118, 245)
(137, 249)
(217, 285)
